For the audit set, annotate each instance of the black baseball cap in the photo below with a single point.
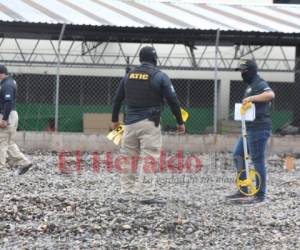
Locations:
(3, 69)
(247, 64)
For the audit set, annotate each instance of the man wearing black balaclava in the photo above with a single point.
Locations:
(143, 90)
(258, 92)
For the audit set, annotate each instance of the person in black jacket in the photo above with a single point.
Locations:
(9, 123)
(143, 89)
(258, 92)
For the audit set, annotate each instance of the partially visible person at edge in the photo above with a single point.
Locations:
(258, 92)
(9, 123)
(143, 90)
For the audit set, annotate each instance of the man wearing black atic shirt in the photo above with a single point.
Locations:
(9, 123)
(143, 90)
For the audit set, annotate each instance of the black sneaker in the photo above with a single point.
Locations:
(252, 200)
(154, 200)
(125, 197)
(23, 169)
(258, 199)
(236, 196)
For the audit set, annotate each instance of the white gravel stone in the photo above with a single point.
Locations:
(47, 209)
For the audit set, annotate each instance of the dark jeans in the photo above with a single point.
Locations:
(257, 143)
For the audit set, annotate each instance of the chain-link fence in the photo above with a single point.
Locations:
(79, 95)
(197, 97)
(281, 108)
(35, 101)
(90, 94)
(295, 97)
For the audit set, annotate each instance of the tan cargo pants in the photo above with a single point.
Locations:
(143, 140)
(8, 148)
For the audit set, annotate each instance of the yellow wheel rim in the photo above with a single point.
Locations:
(250, 183)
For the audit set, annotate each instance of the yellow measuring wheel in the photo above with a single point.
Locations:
(252, 184)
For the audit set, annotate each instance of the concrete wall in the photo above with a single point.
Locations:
(30, 141)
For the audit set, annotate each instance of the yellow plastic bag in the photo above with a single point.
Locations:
(245, 107)
(116, 135)
(184, 114)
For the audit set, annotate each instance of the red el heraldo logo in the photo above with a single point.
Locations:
(109, 162)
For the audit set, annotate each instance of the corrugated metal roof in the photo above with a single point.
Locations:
(142, 13)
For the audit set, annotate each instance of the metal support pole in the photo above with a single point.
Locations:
(216, 84)
(57, 76)
(193, 57)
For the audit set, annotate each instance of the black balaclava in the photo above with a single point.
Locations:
(248, 70)
(148, 54)
(249, 75)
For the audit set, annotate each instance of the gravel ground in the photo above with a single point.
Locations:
(47, 209)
